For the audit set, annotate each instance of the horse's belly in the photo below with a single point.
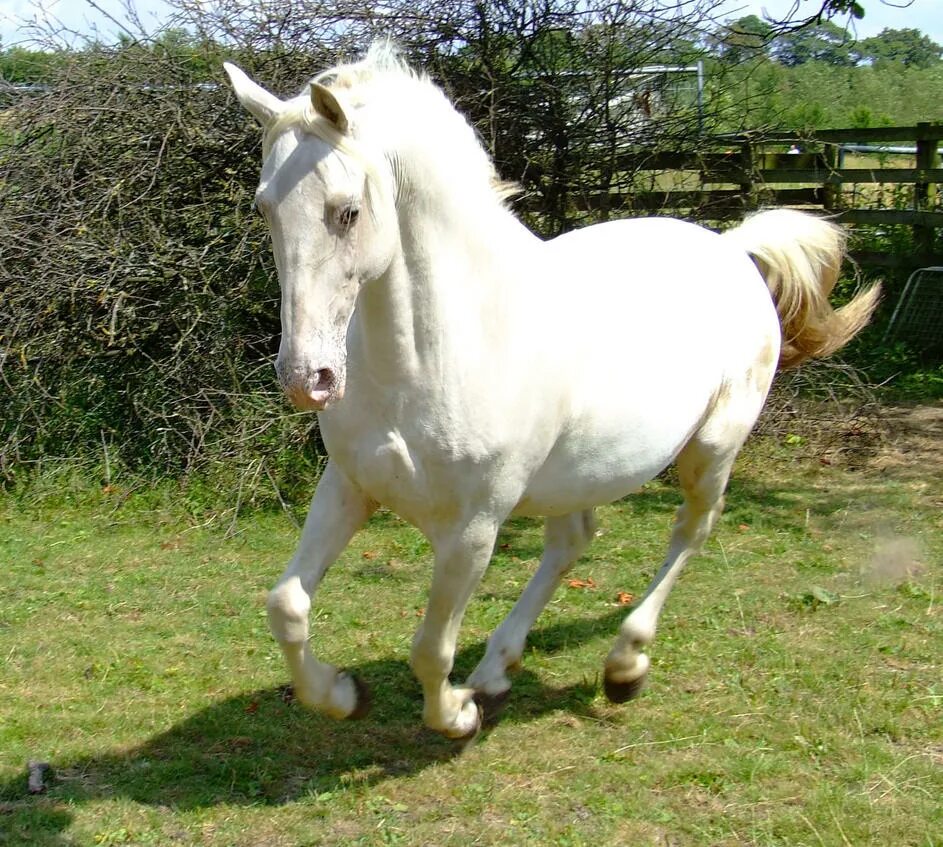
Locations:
(579, 493)
(583, 471)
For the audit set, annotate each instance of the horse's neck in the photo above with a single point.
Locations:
(426, 316)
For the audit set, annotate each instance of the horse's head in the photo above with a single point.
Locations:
(329, 211)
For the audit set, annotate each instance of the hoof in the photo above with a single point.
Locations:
(622, 692)
(286, 693)
(490, 706)
(364, 700)
(473, 732)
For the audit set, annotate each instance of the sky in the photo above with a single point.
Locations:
(925, 15)
(77, 15)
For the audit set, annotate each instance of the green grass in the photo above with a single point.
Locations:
(793, 699)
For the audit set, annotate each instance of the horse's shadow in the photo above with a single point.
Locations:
(262, 748)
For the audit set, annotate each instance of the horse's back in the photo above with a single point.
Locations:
(660, 299)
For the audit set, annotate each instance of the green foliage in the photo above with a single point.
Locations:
(22, 66)
(824, 42)
(818, 76)
(139, 310)
(847, 7)
(742, 39)
(907, 47)
(822, 95)
(139, 304)
(903, 373)
(862, 118)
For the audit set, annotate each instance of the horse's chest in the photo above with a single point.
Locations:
(390, 463)
(384, 465)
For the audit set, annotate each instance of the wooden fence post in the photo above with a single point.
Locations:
(928, 156)
(831, 191)
(747, 172)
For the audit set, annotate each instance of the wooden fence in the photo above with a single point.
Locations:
(736, 174)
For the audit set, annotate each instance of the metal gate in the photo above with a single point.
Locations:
(918, 316)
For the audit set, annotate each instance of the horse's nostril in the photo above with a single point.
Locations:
(324, 379)
(310, 387)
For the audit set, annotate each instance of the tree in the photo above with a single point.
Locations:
(824, 11)
(908, 47)
(824, 42)
(19, 65)
(742, 39)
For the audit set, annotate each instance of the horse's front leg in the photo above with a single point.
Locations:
(460, 560)
(339, 508)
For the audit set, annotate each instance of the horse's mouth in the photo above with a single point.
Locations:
(313, 400)
(315, 390)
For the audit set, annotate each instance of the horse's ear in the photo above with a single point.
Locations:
(326, 104)
(258, 102)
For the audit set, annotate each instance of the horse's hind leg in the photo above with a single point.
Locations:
(703, 469)
(565, 539)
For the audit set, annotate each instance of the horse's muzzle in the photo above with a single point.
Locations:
(312, 391)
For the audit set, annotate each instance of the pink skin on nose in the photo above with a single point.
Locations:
(314, 393)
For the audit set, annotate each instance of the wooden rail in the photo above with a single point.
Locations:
(739, 173)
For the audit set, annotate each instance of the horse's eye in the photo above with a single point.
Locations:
(348, 216)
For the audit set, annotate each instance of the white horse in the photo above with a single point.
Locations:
(464, 370)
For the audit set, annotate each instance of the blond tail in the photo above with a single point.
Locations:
(799, 256)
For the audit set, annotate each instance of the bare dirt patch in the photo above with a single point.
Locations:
(903, 443)
(913, 443)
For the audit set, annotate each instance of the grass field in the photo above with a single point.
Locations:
(796, 694)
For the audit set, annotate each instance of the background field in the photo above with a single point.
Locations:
(795, 696)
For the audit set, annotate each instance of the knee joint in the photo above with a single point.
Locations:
(288, 605)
